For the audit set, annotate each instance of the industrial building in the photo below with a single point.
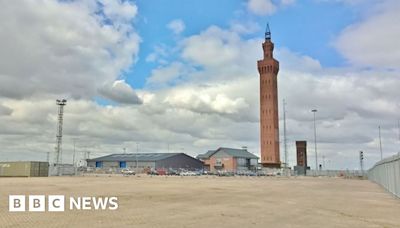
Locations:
(24, 169)
(229, 159)
(141, 161)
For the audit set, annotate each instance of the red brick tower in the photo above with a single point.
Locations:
(269, 124)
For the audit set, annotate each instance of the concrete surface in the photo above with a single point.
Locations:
(209, 202)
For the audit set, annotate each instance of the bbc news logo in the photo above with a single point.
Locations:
(57, 203)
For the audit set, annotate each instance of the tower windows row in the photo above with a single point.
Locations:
(268, 142)
(268, 126)
(265, 69)
(268, 81)
(268, 96)
(267, 111)
(269, 158)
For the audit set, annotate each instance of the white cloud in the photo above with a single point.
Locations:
(372, 41)
(297, 62)
(166, 75)
(65, 47)
(208, 100)
(120, 92)
(241, 27)
(120, 11)
(261, 7)
(160, 52)
(217, 48)
(177, 26)
(267, 7)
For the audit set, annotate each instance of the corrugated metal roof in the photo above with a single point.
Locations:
(237, 153)
(135, 157)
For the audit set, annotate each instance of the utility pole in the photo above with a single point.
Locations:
(61, 104)
(315, 140)
(284, 134)
(362, 163)
(87, 155)
(74, 155)
(380, 142)
(124, 150)
(48, 157)
(137, 153)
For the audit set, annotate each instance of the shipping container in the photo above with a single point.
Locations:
(24, 169)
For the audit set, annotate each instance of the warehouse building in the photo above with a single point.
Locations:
(229, 159)
(141, 161)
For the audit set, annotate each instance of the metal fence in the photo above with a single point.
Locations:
(336, 173)
(61, 170)
(387, 174)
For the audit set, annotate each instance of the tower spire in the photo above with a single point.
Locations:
(267, 33)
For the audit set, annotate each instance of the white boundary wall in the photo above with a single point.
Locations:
(387, 174)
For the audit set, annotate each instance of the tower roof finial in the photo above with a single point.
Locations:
(267, 33)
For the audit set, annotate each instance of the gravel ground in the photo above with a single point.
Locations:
(208, 202)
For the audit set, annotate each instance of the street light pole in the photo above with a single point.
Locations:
(315, 140)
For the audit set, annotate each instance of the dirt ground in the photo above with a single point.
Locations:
(208, 202)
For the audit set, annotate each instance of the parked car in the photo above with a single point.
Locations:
(225, 174)
(152, 172)
(188, 173)
(172, 173)
(261, 174)
(127, 172)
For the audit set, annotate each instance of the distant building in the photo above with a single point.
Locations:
(301, 152)
(24, 169)
(142, 161)
(301, 149)
(205, 158)
(228, 159)
(268, 69)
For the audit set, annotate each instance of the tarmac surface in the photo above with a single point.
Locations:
(207, 201)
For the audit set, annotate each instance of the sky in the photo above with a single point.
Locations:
(181, 76)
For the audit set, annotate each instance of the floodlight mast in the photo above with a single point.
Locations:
(315, 141)
(58, 161)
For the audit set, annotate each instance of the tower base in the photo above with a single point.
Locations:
(271, 165)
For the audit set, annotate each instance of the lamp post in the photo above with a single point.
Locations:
(315, 140)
